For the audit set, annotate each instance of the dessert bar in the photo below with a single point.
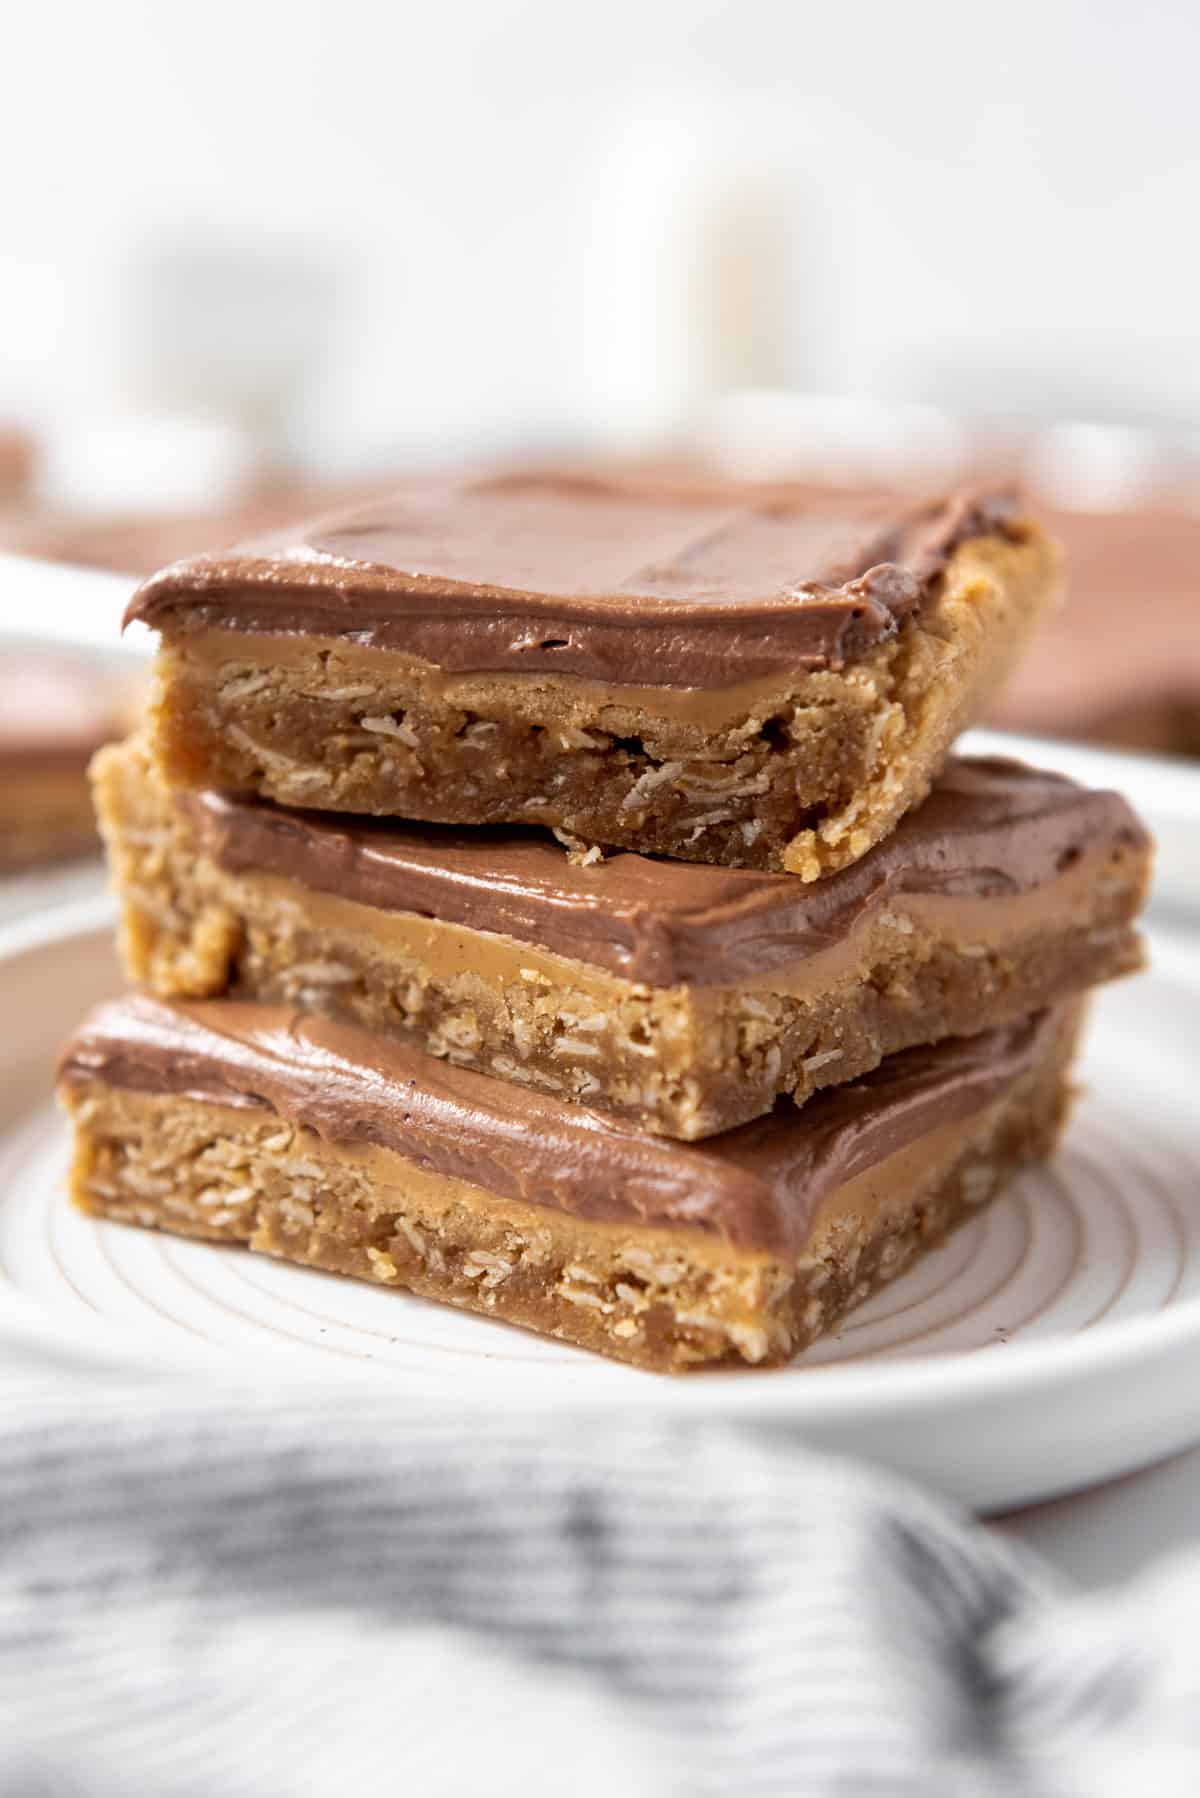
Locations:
(336, 1148)
(749, 682)
(681, 997)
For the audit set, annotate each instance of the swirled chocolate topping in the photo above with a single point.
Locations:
(577, 576)
(989, 828)
(758, 1186)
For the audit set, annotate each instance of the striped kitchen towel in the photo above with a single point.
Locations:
(249, 1591)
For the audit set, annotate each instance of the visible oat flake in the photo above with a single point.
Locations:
(382, 1266)
(384, 726)
(486, 1267)
(579, 853)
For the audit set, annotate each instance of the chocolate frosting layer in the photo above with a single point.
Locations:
(758, 1186)
(574, 576)
(989, 828)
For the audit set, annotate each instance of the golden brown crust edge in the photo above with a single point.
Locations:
(954, 656)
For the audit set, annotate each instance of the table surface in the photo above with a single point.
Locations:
(1110, 1533)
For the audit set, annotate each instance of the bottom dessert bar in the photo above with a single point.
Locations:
(327, 1146)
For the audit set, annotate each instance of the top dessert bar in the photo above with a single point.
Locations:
(768, 683)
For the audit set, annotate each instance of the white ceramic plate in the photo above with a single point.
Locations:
(1054, 1341)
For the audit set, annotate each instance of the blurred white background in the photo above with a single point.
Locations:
(368, 233)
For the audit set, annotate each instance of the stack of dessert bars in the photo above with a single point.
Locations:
(554, 898)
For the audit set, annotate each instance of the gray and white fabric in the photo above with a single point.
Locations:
(253, 1592)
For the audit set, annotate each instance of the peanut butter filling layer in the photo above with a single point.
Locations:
(229, 656)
